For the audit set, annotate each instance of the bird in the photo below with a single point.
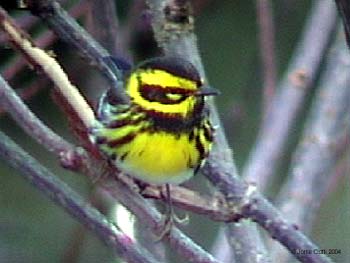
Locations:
(163, 135)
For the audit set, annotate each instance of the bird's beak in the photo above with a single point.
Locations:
(207, 91)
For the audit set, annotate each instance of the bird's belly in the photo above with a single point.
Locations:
(159, 157)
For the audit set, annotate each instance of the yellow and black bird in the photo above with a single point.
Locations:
(164, 134)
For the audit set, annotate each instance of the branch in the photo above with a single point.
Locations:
(287, 103)
(66, 198)
(285, 106)
(318, 151)
(174, 33)
(29, 122)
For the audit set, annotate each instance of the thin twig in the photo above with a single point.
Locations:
(44, 40)
(26, 22)
(317, 152)
(267, 50)
(66, 198)
(70, 31)
(48, 65)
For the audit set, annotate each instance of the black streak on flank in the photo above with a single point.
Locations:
(123, 156)
(191, 135)
(198, 167)
(200, 148)
(208, 132)
(122, 140)
(113, 156)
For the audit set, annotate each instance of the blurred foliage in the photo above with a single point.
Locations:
(32, 229)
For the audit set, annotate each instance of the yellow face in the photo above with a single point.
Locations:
(157, 90)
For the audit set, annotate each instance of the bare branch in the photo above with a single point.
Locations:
(30, 123)
(287, 103)
(317, 152)
(66, 198)
(29, 91)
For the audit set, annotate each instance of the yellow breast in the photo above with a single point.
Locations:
(160, 157)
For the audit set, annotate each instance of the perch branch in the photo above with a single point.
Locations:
(174, 33)
(178, 240)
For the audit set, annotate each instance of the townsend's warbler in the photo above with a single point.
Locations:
(164, 134)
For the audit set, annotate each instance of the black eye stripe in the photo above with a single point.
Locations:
(168, 89)
(159, 94)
